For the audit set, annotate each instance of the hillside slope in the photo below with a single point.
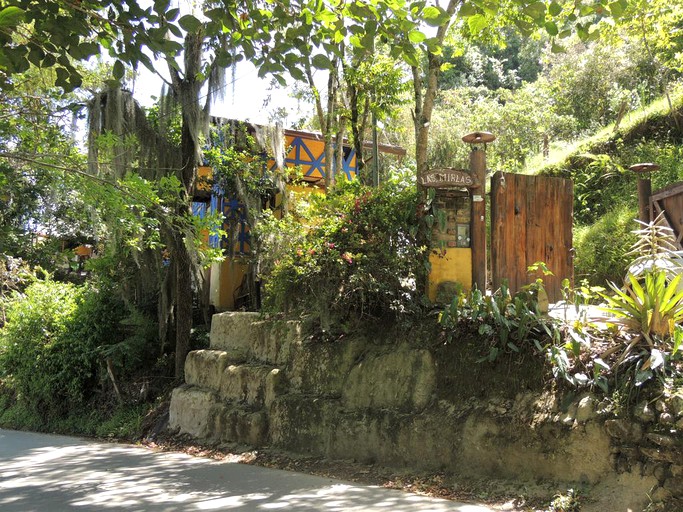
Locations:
(605, 191)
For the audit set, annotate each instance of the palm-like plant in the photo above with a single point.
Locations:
(650, 304)
(652, 308)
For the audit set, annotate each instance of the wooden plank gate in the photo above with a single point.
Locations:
(670, 201)
(531, 221)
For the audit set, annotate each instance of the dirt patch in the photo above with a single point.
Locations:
(465, 372)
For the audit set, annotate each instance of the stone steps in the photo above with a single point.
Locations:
(230, 387)
(202, 414)
(248, 337)
(251, 384)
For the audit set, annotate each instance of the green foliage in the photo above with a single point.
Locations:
(568, 502)
(641, 338)
(599, 186)
(35, 146)
(345, 256)
(601, 248)
(15, 275)
(651, 309)
(43, 360)
(55, 341)
(509, 64)
(520, 119)
(48, 35)
(591, 82)
(124, 423)
(238, 166)
(505, 323)
(379, 81)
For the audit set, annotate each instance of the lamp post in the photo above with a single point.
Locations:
(478, 141)
(644, 172)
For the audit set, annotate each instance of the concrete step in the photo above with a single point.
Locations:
(202, 414)
(252, 385)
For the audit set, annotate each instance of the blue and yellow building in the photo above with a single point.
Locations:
(305, 152)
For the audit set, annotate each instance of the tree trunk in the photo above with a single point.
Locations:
(183, 298)
(357, 134)
(424, 90)
(339, 150)
(181, 253)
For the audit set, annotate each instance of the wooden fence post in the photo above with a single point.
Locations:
(478, 226)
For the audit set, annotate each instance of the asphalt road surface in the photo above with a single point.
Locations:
(52, 473)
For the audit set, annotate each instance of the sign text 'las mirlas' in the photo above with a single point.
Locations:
(446, 178)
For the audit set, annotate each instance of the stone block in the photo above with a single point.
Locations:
(194, 411)
(645, 412)
(676, 404)
(661, 494)
(276, 385)
(655, 469)
(305, 424)
(235, 333)
(404, 379)
(302, 424)
(204, 368)
(246, 384)
(674, 485)
(322, 368)
(276, 340)
(426, 441)
(624, 430)
(586, 409)
(666, 418)
(673, 456)
(235, 424)
(661, 439)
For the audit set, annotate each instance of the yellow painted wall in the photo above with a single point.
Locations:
(226, 278)
(454, 266)
(204, 175)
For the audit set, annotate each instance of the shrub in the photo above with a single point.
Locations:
(55, 342)
(40, 356)
(506, 323)
(344, 256)
(15, 275)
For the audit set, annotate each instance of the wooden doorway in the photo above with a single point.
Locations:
(531, 221)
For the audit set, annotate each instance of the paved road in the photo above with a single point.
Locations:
(53, 473)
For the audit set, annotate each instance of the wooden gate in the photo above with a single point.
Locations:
(531, 221)
(670, 201)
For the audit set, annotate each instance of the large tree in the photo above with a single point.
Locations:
(55, 34)
(293, 35)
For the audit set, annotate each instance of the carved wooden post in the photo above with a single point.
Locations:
(644, 171)
(478, 228)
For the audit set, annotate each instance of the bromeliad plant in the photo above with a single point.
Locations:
(649, 308)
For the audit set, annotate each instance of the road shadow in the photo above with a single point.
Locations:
(53, 473)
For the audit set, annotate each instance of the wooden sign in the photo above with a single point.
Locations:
(442, 178)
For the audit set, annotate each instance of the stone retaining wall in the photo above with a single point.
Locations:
(262, 383)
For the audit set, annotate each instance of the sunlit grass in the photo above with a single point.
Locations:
(562, 151)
